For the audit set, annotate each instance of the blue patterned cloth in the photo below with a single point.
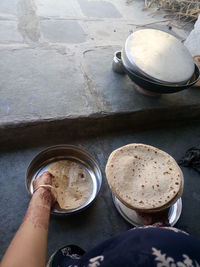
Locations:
(144, 246)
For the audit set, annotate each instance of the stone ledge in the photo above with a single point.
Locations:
(29, 133)
(88, 98)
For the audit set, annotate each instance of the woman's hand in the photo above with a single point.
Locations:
(28, 247)
(159, 218)
(45, 179)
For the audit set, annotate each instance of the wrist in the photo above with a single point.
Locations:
(44, 196)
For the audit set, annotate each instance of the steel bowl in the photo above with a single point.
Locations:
(41, 162)
(151, 85)
(133, 217)
(158, 56)
(162, 88)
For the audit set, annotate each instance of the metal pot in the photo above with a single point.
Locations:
(158, 56)
(159, 88)
(151, 85)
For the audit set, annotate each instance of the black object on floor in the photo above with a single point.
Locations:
(191, 158)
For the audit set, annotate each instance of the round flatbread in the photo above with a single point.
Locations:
(144, 178)
(72, 182)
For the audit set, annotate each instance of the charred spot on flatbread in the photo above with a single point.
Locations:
(144, 177)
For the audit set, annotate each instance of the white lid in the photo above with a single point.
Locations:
(159, 55)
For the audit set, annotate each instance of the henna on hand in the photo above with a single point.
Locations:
(47, 195)
(39, 208)
(44, 179)
(38, 216)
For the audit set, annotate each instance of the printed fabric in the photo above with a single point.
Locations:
(143, 246)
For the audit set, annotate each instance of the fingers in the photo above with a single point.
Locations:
(46, 174)
(44, 179)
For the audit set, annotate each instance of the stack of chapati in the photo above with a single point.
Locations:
(72, 184)
(144, 178)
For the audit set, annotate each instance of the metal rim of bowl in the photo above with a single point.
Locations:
(31, 172)
(178, 86)
(150, 85)
(170, 85)
(175, 211)
(133, 67)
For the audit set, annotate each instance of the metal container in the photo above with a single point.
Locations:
(151, 85)
(65, 152)
(159, 88)
(117, 64)
(158, 56)
(133, 218)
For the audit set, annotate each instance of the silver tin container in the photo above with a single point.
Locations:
(148, 86)
(158, 56)
(117, 64)
(41, 162)
(133, 218)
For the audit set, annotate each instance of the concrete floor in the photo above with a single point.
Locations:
(56, 60)
(101, 220)
(57, 87)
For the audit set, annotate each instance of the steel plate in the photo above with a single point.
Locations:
(65, 152)
(131, 216)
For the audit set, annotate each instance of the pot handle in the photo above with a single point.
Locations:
(117, 64)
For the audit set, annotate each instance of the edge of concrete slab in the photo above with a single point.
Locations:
(31, 133)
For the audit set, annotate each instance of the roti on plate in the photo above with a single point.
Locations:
(144, 178)
(72, 182)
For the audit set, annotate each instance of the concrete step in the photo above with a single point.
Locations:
(101, 220)
(90, 97)
(55, 68)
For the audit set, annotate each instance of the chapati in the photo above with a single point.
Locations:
(144, 177)
(72, 182)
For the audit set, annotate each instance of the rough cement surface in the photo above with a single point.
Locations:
(56, 60)
(118, 91)
(51, 94)
(99, 9)
(101, 220)
(63, 31)
(8, 7)
(9, 32)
